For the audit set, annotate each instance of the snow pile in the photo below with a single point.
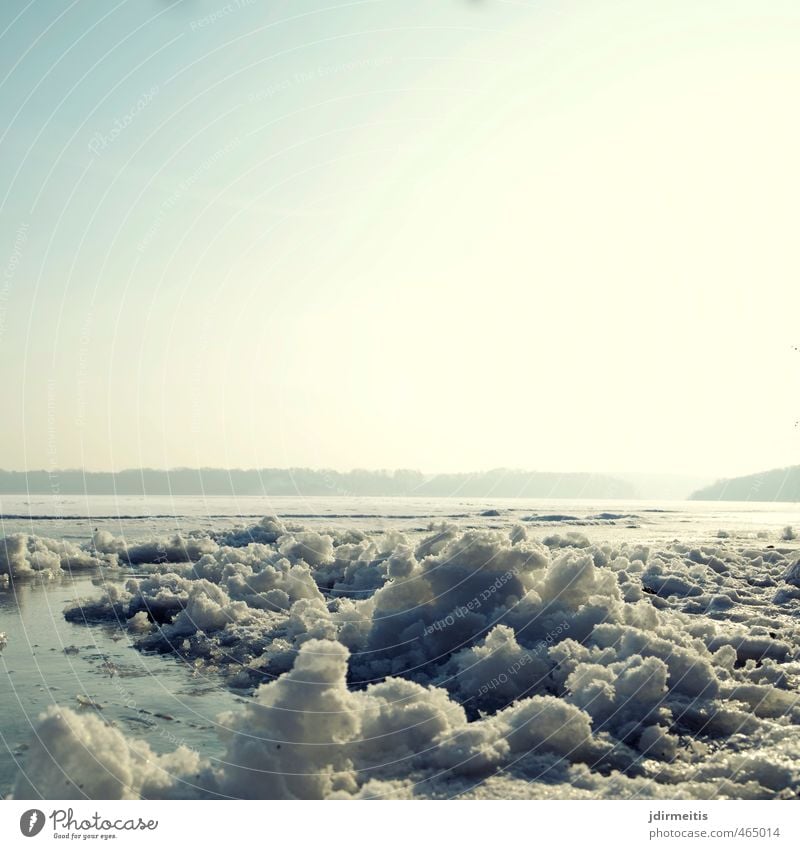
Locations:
(395, 665)
(175, 549)
(293, 741)
(265, 531)
(79, 756)
(27, 555)
(307, 735)
(24, 556)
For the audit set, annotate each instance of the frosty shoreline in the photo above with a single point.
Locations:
(507, 662)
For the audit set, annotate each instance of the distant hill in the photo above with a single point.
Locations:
(774, 485)
(664, 486)
(499, 483)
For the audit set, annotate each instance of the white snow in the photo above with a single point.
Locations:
(457, 662)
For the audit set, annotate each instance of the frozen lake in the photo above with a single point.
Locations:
(74, 517)
(171, 698)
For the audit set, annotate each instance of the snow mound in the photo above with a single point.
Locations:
(457, 662)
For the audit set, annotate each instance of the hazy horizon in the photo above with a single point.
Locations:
(635, 476)
(499, 483)
(399, 235)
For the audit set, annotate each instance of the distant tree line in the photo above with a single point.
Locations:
(774, 485)
(500, 483)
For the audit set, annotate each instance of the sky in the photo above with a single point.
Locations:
(447, 235)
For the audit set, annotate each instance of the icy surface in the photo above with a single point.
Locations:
(502, 654)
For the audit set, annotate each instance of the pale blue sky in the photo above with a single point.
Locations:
(439, 234)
